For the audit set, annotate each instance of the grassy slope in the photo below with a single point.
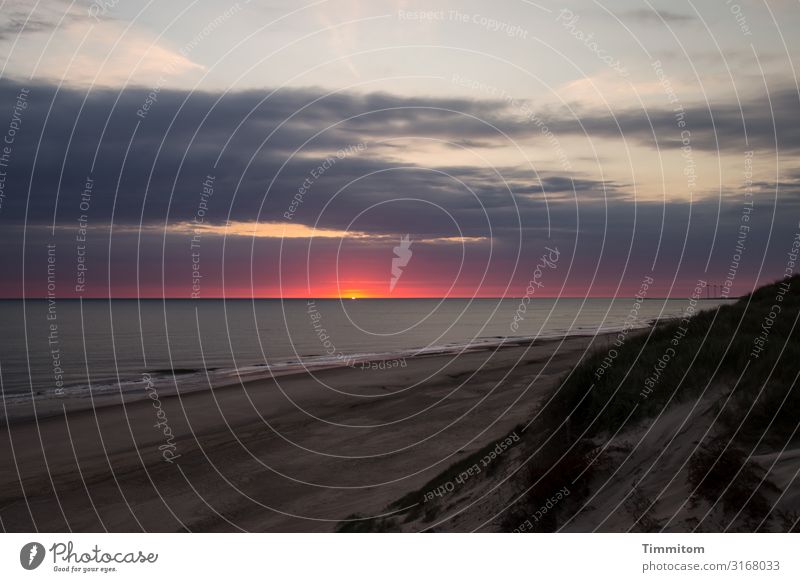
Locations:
(716, 349)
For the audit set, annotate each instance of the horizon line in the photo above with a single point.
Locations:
(237, 298)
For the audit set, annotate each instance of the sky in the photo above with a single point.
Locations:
(286, 149)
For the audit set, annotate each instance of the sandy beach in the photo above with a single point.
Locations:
(298, 453)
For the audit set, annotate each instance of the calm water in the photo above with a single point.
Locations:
(110, 344)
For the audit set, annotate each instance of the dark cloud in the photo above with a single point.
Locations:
(19, 18)
(148, 154)
(764, 121)
(150, 168)
(262, 146)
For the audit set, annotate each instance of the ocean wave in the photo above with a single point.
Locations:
(185, 380)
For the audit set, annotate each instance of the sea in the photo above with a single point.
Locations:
(82, 347)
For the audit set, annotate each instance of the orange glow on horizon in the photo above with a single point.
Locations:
(353, 294)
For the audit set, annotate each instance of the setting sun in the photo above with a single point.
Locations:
(352, 294)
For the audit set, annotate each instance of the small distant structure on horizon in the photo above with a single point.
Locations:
(714, 291)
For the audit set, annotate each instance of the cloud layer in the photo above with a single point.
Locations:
(137, 167)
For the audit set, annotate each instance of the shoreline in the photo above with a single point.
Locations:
(284, 454)
(19, 408)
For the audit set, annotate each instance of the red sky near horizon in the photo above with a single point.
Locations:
(361, 271)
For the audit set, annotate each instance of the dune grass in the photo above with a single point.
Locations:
(715, 350)
(711, 350)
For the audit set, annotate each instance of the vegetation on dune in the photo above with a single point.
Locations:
(749, 349)
(415, 504)
(717, 348)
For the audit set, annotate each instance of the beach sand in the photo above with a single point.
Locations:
(298, 453)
